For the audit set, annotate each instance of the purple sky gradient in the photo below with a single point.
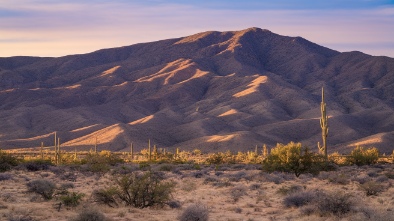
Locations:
(58, 28)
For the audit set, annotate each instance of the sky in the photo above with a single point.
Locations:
(58, 27)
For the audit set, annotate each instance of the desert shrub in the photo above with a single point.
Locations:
(255, 186)
(360, 156)
(338, 159)
(197, 174)
(299, 199)
(166, 167)
(221, 158)
(275, 178)
(341, 178)
(211, 179)
(381, 179)
(19, 214)
(195, 212)
(7, 161)
(294, 158)
(236, 177)
(389, 175)
(144, 166)
(373, 173)
(144, 189)
(72, 199)
(238, 210)
(37, 164)
(45, 188)
(5, 176)
(372, 188)
(56, 170)
(174, 204)
(336, 203)
(106, 196)
(361, 179)
(70, 176)
(124, 169)
(66, 186)
(90, 215)
(101, 162)
(287, 190)
(237, 192)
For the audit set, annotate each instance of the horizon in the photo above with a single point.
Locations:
(58, 28)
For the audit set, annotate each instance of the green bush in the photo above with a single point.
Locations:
(372, 188)
(37, 164)
(7, 161)
(45, 188)
(101, 162)
(144, 189)
(296, 159)
(221, 158)
(72, 199)
(360, 156)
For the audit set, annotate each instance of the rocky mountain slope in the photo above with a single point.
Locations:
(213, 91)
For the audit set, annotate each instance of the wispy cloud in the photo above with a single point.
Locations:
(55, 28)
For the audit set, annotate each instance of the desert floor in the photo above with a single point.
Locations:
(230, 192)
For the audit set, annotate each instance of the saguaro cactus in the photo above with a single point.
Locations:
(95, 145)
(177, 153)
(149, 151)
(55, 153)
(323, 125)
(155, 151)
(58, 157)
(265, 151)
(42, 151)
(131, 151)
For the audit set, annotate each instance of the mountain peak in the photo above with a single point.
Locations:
(212, 90)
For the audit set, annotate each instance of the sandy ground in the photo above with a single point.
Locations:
(231, 193)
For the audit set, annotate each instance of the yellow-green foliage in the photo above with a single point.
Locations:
(294, 158)
(220, 158)
(144, 189)
(248, 157)
(100, 162)
(338, 159)
(7, 161)
(360, 156)
(197, 152)
(72, 199)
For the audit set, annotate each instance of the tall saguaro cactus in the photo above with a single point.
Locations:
(323, 125)
(149, 151)
(131, 151)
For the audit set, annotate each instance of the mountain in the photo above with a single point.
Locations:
(213, 91)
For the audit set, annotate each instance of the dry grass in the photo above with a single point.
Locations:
(247, 195)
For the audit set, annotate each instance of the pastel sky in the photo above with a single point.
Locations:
(60, 27)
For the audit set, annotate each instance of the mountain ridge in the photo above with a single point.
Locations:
(212, 91)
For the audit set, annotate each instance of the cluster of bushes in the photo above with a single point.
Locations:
(321, 202)
(295, 158)
(292, 157)
(48, 190)
(298, 159)
(7, 161)
(360, 156)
